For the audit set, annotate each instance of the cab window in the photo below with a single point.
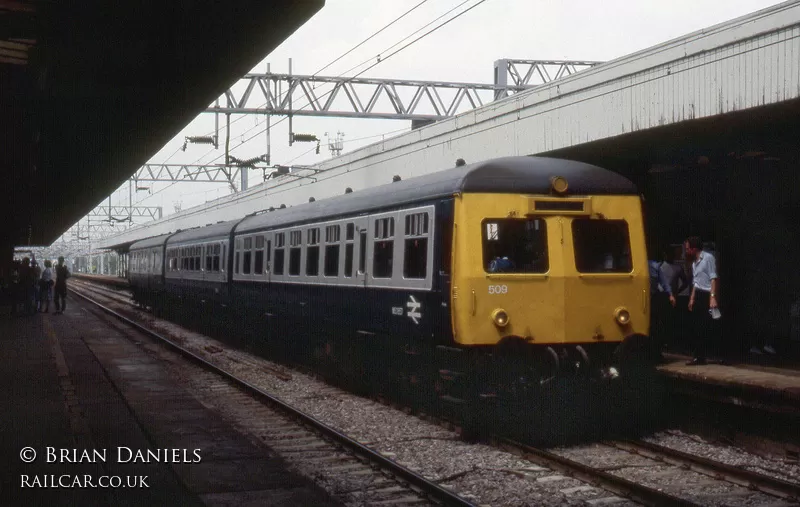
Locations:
(512, 245)
(601, 246)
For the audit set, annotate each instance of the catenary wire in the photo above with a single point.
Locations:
(365, 70)
(359, 65)
(370, 37)
(326, 66)
(360, 73)
(406, 37)
(315, 73)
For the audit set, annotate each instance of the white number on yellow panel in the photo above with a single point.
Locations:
(498, 289)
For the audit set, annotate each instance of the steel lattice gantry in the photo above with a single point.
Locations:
(400, 99)
(210, 173)
(524, 73)
(153, 212)
(288, 94)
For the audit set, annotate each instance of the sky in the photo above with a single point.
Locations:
(463, 50)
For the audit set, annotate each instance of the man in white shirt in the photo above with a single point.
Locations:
(705, 287)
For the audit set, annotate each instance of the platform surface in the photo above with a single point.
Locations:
(770, 383)
(70, 383)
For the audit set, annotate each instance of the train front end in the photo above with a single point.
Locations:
(554, 283)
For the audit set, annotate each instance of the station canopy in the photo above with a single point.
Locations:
(90, 90)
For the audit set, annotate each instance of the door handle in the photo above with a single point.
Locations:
(644, 300)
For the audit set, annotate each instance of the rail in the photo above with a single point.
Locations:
(434, 492)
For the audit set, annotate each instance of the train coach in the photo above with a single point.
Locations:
(480, 284)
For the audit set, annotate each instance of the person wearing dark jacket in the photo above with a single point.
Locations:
(62, 273)
(27, 282)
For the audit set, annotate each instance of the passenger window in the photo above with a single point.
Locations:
(601, 246)
(513, 245)
(269, 255)
(258, 269)
(383, 248)
(295, 250)
(236, 256)
(280, 253)
(216, 257)
(247, 256)
(209, 257)
(331, 251)
(198, 251)
(312, 252)
(362, 252)
(415, 259)
(348, 260)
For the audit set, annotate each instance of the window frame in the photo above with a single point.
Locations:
(484, 236)
(397, 280)
(603, 272)
(311, 234)
(333, 238)
(358, 225)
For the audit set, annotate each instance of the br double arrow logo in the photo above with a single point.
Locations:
(414, 308)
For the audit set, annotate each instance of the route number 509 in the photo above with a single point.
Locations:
(498, 289)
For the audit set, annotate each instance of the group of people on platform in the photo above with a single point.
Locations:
(31, 288)
(685, 294)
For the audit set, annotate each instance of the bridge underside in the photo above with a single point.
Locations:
(734, 180)
(96, 87)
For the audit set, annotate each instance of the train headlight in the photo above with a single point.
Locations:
(559, 184)
(500, 318)
(622, 316)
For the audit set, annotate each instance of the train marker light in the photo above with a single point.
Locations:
(559, 184)
(500, 317)
(622, 316)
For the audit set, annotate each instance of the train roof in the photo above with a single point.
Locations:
(221, 229)
(518, 175)
(150, 242)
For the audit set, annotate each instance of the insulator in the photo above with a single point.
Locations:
(304, 138)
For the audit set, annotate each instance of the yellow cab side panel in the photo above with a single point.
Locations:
(560, 305)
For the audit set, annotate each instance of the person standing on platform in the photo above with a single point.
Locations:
(678, 284)
(62, 273)
(46, 286)
(659, 288)
(27, 283)
(37, 274)
(703, 300)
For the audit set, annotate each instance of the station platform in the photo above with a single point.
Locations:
(79, 402)
(768, 388)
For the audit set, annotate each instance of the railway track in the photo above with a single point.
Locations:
(661, 456)
(663, 461)
(289, 431)
(739, 476)
(119, 295)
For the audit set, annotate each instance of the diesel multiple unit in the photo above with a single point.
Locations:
(466, 286)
